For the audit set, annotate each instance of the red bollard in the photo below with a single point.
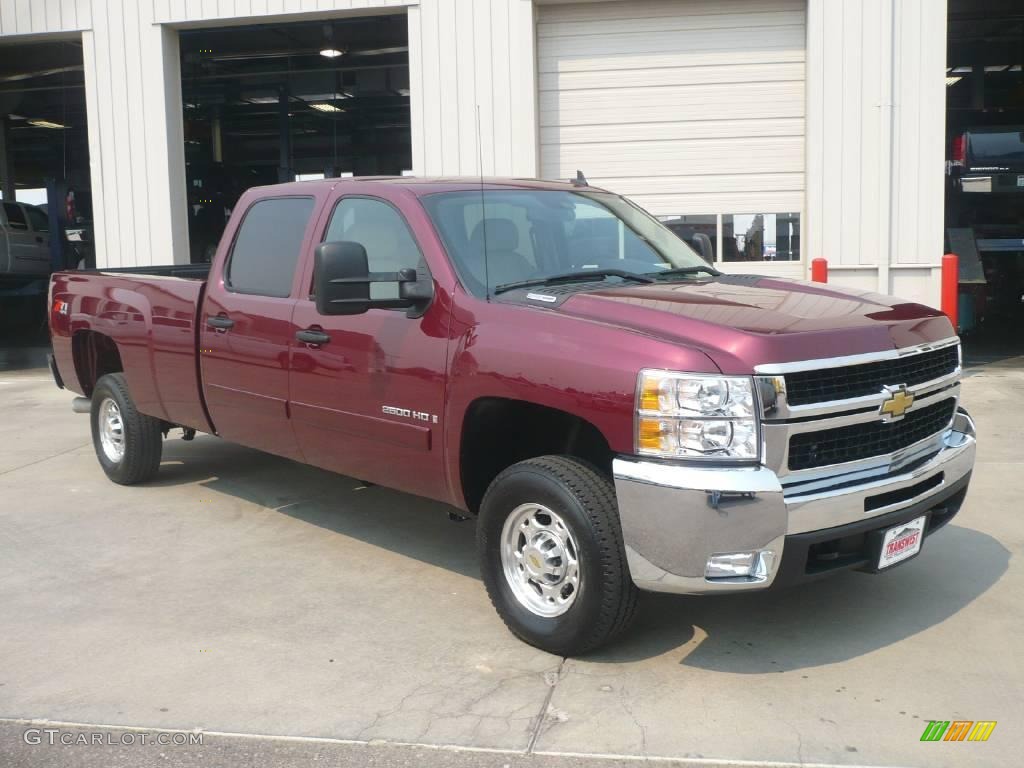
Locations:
(819, 270)
(951, 288)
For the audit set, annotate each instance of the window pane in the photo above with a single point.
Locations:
(761, 237)
(40, 223)
(382, 231)
(693, 230)
(267, 247)
(15, 216)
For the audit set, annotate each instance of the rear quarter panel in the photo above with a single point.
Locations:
(152, 320)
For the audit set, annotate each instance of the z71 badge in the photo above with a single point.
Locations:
(406, 413)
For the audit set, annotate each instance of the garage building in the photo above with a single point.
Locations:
(781, 129)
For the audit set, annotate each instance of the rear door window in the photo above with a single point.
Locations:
(267, 246)
(15, 216)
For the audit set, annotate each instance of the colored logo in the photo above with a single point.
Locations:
(897, 404)
(958, 730)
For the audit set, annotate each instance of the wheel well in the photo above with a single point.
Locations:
(499, 432)
(95, 355)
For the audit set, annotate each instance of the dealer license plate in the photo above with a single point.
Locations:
(902, 542)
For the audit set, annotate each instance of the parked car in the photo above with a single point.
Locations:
(24, 241)
(989, 160)
(550, 359)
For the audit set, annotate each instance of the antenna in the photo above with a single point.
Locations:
(483, 205)
(580, 180)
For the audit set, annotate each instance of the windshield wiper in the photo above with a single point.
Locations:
(572, 277)
(680, 271)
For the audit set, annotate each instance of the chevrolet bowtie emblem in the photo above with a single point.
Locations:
(897, 404)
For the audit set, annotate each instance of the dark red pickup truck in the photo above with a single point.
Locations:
(550, 359)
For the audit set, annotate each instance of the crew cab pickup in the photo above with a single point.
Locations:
(549, 359)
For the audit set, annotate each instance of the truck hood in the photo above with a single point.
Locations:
(742, 320)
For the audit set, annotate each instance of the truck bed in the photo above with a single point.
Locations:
(150, 314)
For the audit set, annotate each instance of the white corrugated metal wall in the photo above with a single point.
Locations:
(33, 17)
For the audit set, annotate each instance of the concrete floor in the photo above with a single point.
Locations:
(242, 593)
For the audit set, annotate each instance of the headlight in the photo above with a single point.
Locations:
(683, 415)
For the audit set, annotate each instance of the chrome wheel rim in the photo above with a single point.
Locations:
(111, 431)
(540, 560)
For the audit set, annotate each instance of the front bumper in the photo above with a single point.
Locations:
(675, 517)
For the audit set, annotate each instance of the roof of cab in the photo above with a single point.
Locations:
(427, 185)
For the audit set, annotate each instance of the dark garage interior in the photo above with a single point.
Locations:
(271, 103)
(44, 170)
(985, 170)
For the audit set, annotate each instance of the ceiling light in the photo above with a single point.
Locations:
(324, 107)
(402, 91)
(952, 81)
(45, 124)
(330, 53)
(997, 68)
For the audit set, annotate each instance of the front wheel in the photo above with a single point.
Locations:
(128, 443)
(551, 555)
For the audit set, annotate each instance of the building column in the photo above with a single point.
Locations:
(6, 166)
(473, 87)
(876, 143)
(136, 142)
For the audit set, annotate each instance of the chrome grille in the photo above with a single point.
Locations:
(864, 440)
(827, 384)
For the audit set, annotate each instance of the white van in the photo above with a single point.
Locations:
(24, 241)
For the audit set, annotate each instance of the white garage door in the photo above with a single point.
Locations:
(694, 108)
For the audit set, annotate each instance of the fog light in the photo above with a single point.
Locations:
(731, 565)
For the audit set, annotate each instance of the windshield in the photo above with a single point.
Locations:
(536, 234)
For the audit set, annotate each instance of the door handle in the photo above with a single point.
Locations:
(220, 322)
(313, 336)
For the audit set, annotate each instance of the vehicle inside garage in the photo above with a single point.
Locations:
(985, 170)
(44, 177)
(270, 103)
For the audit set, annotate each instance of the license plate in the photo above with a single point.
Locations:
(902, 542)
(1020, 181)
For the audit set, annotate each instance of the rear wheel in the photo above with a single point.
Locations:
(552, 557)
(128, 444)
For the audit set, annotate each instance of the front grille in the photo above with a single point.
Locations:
(827, 384)
(872, 438)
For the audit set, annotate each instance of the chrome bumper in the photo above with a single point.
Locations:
(674, 517)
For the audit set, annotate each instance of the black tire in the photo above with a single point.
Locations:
(142, 435)
(585, 500)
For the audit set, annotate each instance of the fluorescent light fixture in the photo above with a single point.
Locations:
(997, 68)
(45, 124)
(952, 81)
(332, 96)
(330, 53)
(402, 91)
(325, 107)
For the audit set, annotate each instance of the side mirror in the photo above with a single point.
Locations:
(342, 278)
(702, 244)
